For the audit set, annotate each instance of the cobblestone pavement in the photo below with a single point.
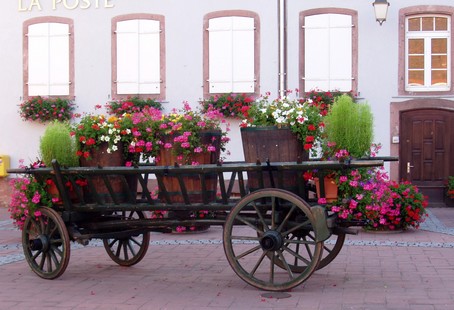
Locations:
(408, 270)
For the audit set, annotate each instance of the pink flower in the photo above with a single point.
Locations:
(168, 146)
(322, 201)
(36, 197)
(211, 148)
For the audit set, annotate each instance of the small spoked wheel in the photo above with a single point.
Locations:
(46, 244)
(258, 237)
(129, 250)
(331, 249)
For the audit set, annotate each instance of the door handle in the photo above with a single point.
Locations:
(409, 167)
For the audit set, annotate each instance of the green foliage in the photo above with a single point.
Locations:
(349, 126)
(57, 143)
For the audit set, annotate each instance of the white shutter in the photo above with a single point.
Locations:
(243, 55)
(231, 54)
(138, 57)
(48, 59)
(328, 52)
(59, 55)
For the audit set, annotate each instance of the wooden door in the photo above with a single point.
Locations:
(427, 150)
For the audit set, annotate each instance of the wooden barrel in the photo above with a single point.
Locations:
(192, 182)
(97, 190)
(276, 145)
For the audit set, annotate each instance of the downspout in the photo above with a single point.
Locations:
(282, 19)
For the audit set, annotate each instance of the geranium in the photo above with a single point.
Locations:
(450, 190)
(324, 99)
(368, 195)
(131, 105)
(93, 130)
(301, 116)
(182, 131)
(46, 109)
(27, 195)
(230, 105)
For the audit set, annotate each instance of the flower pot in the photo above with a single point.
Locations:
(193, 183)
(330, 187)
(97, 191)
(54, 193)
(276, 145)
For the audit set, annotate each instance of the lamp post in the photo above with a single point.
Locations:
(381, 10)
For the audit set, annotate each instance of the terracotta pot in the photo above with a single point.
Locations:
(330, 189)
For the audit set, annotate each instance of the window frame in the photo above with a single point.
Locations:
(321, 11)
(161, 19)
(423, 10)
(206, 65)
(46, 20)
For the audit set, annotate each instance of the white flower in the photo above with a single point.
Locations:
(109, 150)
(114, 148)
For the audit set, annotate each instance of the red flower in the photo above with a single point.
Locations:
(307, 146)
(311, 127)
(90, 141)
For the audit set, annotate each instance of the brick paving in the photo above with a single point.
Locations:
(407, 270)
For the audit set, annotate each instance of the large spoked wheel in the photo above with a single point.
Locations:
(258, 238)
(46, 245)
(130, 250)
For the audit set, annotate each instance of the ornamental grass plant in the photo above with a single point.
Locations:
(348, 126)
(57, 143)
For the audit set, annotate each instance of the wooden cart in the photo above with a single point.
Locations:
(273, 238)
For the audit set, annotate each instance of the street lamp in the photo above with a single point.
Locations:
(381, 10)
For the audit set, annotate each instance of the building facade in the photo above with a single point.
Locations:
(93, 51)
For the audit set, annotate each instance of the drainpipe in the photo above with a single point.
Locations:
(282, 18)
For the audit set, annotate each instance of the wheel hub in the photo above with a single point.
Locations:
(271, 240)
(40, 243)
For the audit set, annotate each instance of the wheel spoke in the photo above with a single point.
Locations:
(259, 214)
(111, 244)
(273, 212)
(54, 258)
(245, 238)
(297, 227)
(133, 252)
(125, 249)
(297, 255)
(287, 217)
(287, 267)
(250, 251)
(36, 255)
(259, 262)
(49, 262)
(273, 257)
(242, 219)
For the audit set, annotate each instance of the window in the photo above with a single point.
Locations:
(49, 61)
(328, 50)
(231, 53)
(138, 61)
(428, 52)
